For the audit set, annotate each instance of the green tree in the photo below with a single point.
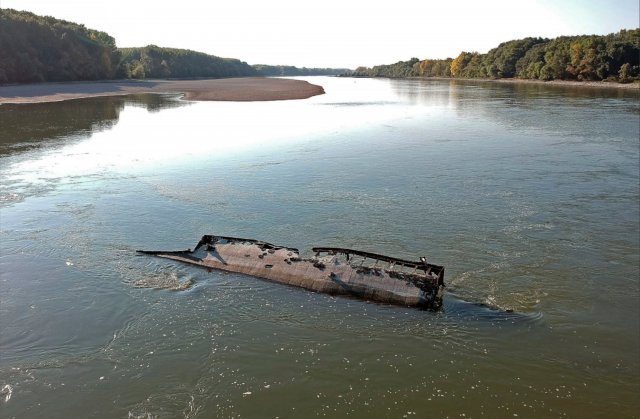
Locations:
(501, 61)
(624, 76)
(137, 72)
(531, 63)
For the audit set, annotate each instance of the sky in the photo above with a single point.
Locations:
(337, 33)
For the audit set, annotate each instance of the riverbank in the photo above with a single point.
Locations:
(569, 83)
(242, 89)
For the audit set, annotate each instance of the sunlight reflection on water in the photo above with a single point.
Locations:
(142, 138)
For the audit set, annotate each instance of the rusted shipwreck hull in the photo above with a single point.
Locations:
(331, 270)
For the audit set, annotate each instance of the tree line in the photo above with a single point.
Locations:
(288, 70)
(41, 48)
(614, 57)
(156, 62)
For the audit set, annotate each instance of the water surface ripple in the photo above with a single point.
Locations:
(528, 195)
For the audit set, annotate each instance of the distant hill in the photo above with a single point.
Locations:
(36, 49)
(614, 57)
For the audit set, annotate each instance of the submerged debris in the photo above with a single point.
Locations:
(6, 392)
(331, 270)
(165, 280)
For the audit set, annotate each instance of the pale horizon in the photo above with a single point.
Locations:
(337, 34)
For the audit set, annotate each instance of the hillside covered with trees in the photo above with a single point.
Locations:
(36, 49)
(614, 57)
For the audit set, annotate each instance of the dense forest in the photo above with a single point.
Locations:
(155, 62)
(35, 48)
(614, 57)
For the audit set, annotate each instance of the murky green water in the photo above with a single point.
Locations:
(529, 195)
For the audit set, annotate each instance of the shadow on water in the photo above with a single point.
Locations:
(457, 308)
(32, 125)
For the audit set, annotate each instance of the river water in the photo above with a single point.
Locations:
(528, 194)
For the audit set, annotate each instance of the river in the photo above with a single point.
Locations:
(528, 194)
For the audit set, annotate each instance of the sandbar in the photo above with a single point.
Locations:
(241, 89)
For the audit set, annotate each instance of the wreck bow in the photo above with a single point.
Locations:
(331, 270)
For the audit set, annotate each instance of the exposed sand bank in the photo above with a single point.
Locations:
(244, 89)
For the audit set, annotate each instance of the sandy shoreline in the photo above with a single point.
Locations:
(244, 89)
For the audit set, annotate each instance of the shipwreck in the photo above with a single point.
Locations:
(331, 270)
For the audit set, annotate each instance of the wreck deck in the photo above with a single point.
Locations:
(336, 271)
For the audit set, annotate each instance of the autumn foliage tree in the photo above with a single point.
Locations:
(459, 63)
(610, 57)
